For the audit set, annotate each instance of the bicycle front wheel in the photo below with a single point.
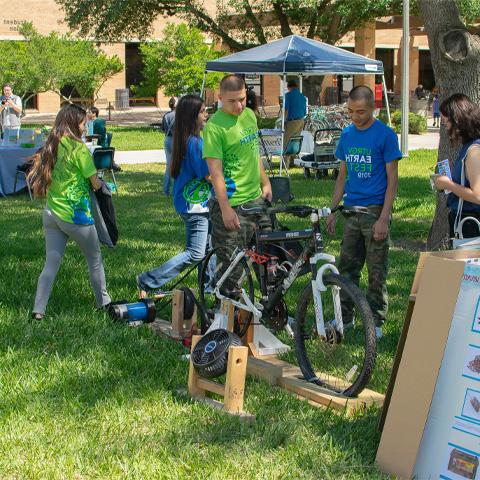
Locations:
(209, 275)
(344, 362)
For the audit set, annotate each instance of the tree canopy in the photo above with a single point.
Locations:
(51, 62)
(176, 63)
(239, 24)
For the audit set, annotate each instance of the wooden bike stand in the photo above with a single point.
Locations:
(289, 377)
(179, 328)
(234, 388)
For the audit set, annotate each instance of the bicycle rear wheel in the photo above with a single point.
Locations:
(342, 363)
(209, 274)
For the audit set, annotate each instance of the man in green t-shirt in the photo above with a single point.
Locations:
(230, 146)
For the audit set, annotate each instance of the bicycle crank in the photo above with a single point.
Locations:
(279, 317)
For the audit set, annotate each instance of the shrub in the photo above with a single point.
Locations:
(417, 124)
(266, 122)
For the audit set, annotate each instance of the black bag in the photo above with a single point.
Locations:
(104, 216)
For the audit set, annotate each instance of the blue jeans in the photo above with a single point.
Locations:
(167, 179)
(196, 228)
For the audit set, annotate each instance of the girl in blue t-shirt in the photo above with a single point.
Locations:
(191, 190)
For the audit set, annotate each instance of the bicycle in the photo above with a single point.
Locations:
(346, 356)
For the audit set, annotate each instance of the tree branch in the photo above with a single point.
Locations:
(207, 24)
(332, 31)
(257, 26)
(316, 13)
(282, 18)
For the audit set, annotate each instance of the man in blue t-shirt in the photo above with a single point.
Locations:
(368, 177)
(295, 113)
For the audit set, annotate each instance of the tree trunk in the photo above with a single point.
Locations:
(456, 65)
(312, 88)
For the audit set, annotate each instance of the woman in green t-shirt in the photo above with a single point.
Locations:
(64, 172)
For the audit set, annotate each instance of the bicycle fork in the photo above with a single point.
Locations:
(318, 287)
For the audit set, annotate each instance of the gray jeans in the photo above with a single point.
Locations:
(57, 234)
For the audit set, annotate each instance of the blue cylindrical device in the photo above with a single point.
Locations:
(142, 311)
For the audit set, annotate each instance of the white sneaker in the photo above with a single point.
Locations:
(378, 332)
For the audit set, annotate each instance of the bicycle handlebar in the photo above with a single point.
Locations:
(302, 211)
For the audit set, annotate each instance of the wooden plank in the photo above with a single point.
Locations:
(326, 397)
(271, 367)
(177, 313)
(229, 310)
(288, 376)
(243, 416)
(211, 386)
(235, 381)
(193, 388)
(164, 328)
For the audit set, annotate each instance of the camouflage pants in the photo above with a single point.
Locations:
(231, 239)
(359, 247)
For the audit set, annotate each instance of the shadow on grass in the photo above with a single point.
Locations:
(77, 358)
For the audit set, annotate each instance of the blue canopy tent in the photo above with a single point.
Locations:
(296, 55)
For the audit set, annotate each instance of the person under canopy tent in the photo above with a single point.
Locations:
(297, 55)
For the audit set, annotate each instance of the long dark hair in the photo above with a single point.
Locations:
(67, 124)
(464, 117)
(186, 115)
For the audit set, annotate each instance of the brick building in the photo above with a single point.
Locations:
(380, 39)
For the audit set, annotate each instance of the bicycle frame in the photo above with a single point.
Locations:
(313, 254)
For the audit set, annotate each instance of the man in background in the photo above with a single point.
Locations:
(168, 123)
(295, 113)
(10, 112)
(97, 126)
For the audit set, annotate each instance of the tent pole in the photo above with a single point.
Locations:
(283, 118)
(203, 83)
(301, 83)
(386, 101)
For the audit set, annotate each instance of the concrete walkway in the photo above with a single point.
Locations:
(428, 140)
(140, 156)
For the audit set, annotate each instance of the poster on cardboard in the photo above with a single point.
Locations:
(450, 446)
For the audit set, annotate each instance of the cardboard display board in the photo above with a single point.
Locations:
(418, 429)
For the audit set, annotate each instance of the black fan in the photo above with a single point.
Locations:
(210, 355)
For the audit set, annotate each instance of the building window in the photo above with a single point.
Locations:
(386, 56)
(425, 74)
(133, 65)
(32, 102)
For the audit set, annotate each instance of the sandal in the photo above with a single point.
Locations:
(141, 292)
(37, 316)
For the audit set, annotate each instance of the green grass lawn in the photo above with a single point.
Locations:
(136, 138)
(82, 397)
(130, 138)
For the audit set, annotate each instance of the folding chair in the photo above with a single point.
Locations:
(108, 139)
(90, 138)
(293, 148)
(23, 170)
(103, 160)
(281, 188)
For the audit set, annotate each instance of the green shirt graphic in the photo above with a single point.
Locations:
(234, 140)
(69, 193)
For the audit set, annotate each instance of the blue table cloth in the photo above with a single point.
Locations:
(10, 158)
